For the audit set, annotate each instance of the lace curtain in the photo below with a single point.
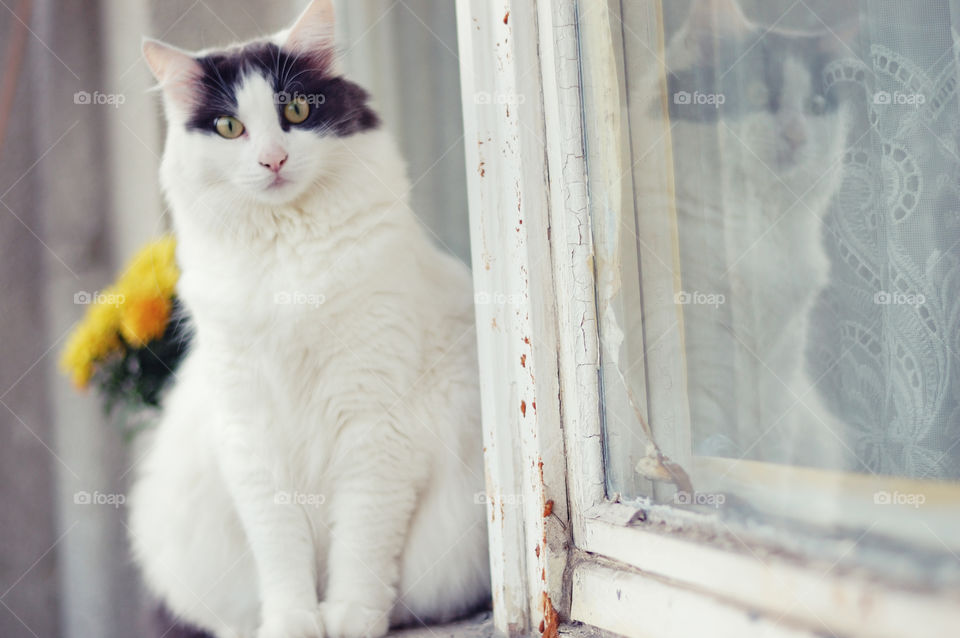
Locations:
(887, 330)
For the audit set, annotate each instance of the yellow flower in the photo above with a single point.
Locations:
(93, 339)
(137, 307)
(152, 271)
(144, 320)
(147, 286)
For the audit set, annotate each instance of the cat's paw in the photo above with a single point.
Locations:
(292, 623)
(345, 619)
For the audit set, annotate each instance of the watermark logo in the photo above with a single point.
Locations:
(697, 298)
(313, 99)
(84, 298)
(899, 98)
(482, 498)
(909, 499)
(703, 499)
(299, 298)
(885, 298)
(716, 100)
(496, 299)
(100, 99)
(485, 97)
(304, 499)
(99, 498)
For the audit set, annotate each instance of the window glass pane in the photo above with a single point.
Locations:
(775, 191)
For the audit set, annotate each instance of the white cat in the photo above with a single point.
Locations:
(315, 467)
(757, 148)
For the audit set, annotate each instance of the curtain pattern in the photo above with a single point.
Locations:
(887, 330)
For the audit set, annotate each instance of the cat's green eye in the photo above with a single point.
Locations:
(297, 110)
(818, 105)
(229, 127)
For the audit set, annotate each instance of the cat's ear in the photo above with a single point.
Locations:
(710, 23)
(313, 32)
(176, 71)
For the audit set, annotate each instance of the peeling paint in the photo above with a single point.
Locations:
(549, 626)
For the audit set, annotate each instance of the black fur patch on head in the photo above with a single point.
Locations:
(746, 75)
(337, 106)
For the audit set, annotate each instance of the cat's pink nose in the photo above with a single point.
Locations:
(795, 132)
(273, 159)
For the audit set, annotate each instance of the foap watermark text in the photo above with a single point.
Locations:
(716, 100)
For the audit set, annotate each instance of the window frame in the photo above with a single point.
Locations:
(561, 551)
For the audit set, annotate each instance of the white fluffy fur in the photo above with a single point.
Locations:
(315, 468)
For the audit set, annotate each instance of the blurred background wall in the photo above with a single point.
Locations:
(79, 195)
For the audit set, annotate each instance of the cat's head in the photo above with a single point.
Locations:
(262, 122)
(757, 94)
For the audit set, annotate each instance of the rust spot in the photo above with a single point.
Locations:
(493, 322)
(534, 406)
(481, 169)
(526, 340)
(550, 624)
(537, 551)
(523, 360)
(547, 509)
(523, 407)
(543, 574)
(506, 18)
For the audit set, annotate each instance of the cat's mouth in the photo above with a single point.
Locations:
(279, 181)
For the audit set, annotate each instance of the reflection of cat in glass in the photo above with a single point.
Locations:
(757, 150)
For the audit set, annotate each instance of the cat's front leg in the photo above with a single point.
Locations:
(278, 534)
(371, 510)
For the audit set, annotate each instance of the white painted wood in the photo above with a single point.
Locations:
(818, 595)
(917, 513)
(509, 213)
(610, 192)
(572, 246)
(520, 76)
(642, 607)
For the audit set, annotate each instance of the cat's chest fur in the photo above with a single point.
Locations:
(764, 256)
(246, 294)
(290, 289)
(300, 322)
